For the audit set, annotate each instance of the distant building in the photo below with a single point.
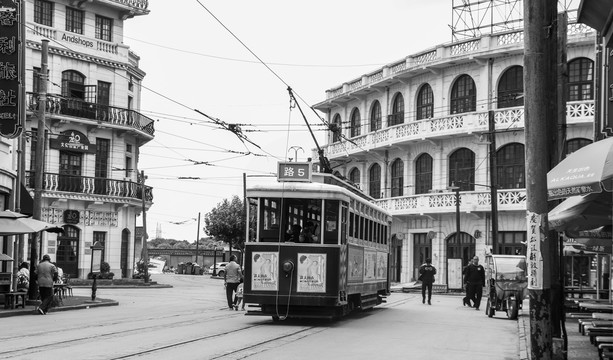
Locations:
(411, 132)
(94, 130)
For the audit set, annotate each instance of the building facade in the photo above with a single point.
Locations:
(415, 135)
(93, 130)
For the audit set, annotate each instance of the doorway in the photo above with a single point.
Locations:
(67, 251)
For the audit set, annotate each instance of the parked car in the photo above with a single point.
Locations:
(220, 268)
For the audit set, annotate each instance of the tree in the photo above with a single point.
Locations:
(226, 222)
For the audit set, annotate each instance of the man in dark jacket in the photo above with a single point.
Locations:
(474, 276)
(426, 275)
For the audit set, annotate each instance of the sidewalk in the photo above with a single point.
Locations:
(69, 303)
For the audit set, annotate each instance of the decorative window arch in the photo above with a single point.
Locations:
(354, 176)
(355, 122)
(397, 170)
(580, 79)
(423, 174)
(463, 95)
(337, 128)
(511, 167)
(374, 181)
(461, 246)
(511, 87)
(425, 102)
(375, 116)
(462, 169)
(397, 116)
(73, 84)
(576, 144)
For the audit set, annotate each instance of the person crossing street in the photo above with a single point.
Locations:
(426, 275)
(475, 280)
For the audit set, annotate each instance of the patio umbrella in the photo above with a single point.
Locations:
(587, 170)
(8, 214)
(5, 257)
(24, 225)
(582, 212)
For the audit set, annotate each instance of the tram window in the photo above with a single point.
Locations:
(344, 211)
(351, 214)
(362, 227)
(331, 222)
(270, 218)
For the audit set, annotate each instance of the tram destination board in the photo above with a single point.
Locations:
(294, 171)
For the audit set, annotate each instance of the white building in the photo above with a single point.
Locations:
(94, 130)
(410, 131)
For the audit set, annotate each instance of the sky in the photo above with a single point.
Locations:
(233, 61)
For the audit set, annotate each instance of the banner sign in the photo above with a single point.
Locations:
(73, 140)
(10, 71)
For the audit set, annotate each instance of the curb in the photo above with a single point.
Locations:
(84, 306)
(524, 336)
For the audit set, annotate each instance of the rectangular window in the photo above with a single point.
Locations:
(104, 28)
(104, 93)
(33, 140)
(128, 166)
(511, 242)
(100, 237)
(43, 12)
(101, 165)
(74, 20)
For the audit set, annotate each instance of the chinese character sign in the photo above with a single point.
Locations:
(10, 75)
(264, 270)
(294, 171)
(534, 256)
(311, 273)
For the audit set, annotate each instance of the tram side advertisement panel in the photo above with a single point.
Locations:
(264, 274)
(311, 273)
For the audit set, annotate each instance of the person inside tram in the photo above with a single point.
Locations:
(294, 233)
(309, 233)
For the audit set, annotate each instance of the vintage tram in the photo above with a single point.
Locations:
(317, 247)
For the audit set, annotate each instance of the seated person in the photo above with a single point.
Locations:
(294, 233)
(23, 277)
(309, 233)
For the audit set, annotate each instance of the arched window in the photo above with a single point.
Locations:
(511, 167)
(374, 181)
(354, 176)
(462, 169)
(73, 85)
(355, 122)
(337, 128)
(511, 88)
(375, 116)
(425, 103)
(423, 174)
(580, 79)
(397, 177)
(397, 116)
(461, 246)
(576, 144)
(463, 95)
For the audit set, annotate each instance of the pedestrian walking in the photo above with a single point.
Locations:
(232, 277)
(465, 299)
(46, 273)
(426, 276)
(475, 279)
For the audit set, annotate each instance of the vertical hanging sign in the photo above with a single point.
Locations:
(534, 254)
(10, 73)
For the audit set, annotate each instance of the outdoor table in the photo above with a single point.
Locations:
(593, 306)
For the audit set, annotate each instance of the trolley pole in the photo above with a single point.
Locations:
(539, 83)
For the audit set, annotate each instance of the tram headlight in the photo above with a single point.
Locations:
(288, 267)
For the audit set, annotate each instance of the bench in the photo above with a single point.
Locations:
(15, 299)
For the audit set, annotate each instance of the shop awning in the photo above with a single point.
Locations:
(585, 212)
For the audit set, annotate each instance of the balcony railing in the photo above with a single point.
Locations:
(59, 105)
(470, 201)
(140, 4)
(91, 185)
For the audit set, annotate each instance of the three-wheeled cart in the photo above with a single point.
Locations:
(507, 279)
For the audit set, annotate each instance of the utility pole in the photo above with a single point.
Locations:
(197, 238)
(493, 180)
(145, 251)
(246, 222)
(40, 165)
(539, 83)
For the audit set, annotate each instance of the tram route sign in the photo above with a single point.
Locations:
(294, 171)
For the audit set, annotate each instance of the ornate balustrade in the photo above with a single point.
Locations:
(59, 105)
(91, 186)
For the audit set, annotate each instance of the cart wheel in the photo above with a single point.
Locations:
(512, 309)
(489, 310)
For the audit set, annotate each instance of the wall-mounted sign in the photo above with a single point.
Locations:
(294, 171)
(71, 216)
(72, 140)
(10, 72)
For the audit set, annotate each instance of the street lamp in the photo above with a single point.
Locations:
(95, 266)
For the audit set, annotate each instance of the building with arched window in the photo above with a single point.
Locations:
(433, 142)
(94, 129)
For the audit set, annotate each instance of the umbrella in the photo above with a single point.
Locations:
(587, 170)
(582, 212)
(5, 257)
(24, 225)
(8, 214)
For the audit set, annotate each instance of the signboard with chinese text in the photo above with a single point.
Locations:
(73, 140)
(264, 275)
(534, 255)
(294, 171)
(311, 273)
(10, 71)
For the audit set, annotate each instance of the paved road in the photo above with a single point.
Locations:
(190, 321)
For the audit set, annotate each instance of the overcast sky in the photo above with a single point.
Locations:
(193, 62)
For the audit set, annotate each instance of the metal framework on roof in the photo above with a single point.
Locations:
(474, 18)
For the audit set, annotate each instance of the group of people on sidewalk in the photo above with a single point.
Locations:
(46, 274)
(473, 278)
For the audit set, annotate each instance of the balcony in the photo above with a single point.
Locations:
(577, 112)
(59, 106)
(470, 201)
(106, 189)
